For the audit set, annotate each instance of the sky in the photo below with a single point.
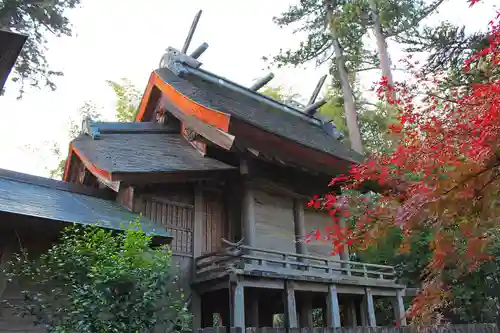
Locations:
(115, 38)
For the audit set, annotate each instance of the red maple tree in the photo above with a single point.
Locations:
(444, 175)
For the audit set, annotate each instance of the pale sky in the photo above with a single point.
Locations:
(117, 38)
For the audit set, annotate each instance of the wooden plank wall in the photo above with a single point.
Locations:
(175, 211)
(274, 221)
(316, 220)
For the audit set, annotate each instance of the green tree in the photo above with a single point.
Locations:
(128, 98)
(36, 19)
(95, 280)
(448, 47)
(347, 23)
(87, 110)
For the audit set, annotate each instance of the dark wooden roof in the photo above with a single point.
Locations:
(122, 153)
(11, 46)
(272, 120)
(54, 200)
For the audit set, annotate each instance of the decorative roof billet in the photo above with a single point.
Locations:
(54, 200)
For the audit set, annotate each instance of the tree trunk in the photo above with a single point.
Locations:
(383, 53)
(349, 104)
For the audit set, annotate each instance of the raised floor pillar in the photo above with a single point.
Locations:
(399, 308)
(370, 307)
(238, 306)
(290, 306)
(332, 308)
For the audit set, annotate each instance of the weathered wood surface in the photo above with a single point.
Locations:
(274, 222)
(467, 328)
(234, 257)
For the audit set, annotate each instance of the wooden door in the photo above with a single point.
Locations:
(215, 222)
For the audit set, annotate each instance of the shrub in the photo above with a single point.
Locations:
(95, 280)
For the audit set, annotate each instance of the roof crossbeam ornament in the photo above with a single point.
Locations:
(311, 109)
(262, 82)
(317, 90)
(199, 51)
(180, 63)
(175, 60)
(191, 32)
(89, 128)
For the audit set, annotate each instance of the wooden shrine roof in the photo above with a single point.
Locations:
(126, 153)
(60, 201)
(261, 115)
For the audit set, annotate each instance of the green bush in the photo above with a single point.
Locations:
(95, 280)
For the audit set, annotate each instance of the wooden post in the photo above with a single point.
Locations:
(306, 319)
(399, 308)
(300, 228)
(196, 310)
(198, 220)
(238, 306)
(344, 255)
(248, 214)
(332, 308)
(291, 306)
(351, 313)
(370, 307)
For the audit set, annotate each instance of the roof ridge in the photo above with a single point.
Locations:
(96, 128)
(53, 183)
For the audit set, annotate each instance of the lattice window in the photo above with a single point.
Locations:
(177, 219)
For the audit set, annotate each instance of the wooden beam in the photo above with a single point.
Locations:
(211, 133)
(332, 307)
(291, 306)
(264, 283)
(146, 178)
(370, 307)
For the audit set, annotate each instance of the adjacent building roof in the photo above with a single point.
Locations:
(259, 114)
(54, 200)
(143, 152)
(12, 45)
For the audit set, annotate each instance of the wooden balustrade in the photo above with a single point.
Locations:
(239, 256)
